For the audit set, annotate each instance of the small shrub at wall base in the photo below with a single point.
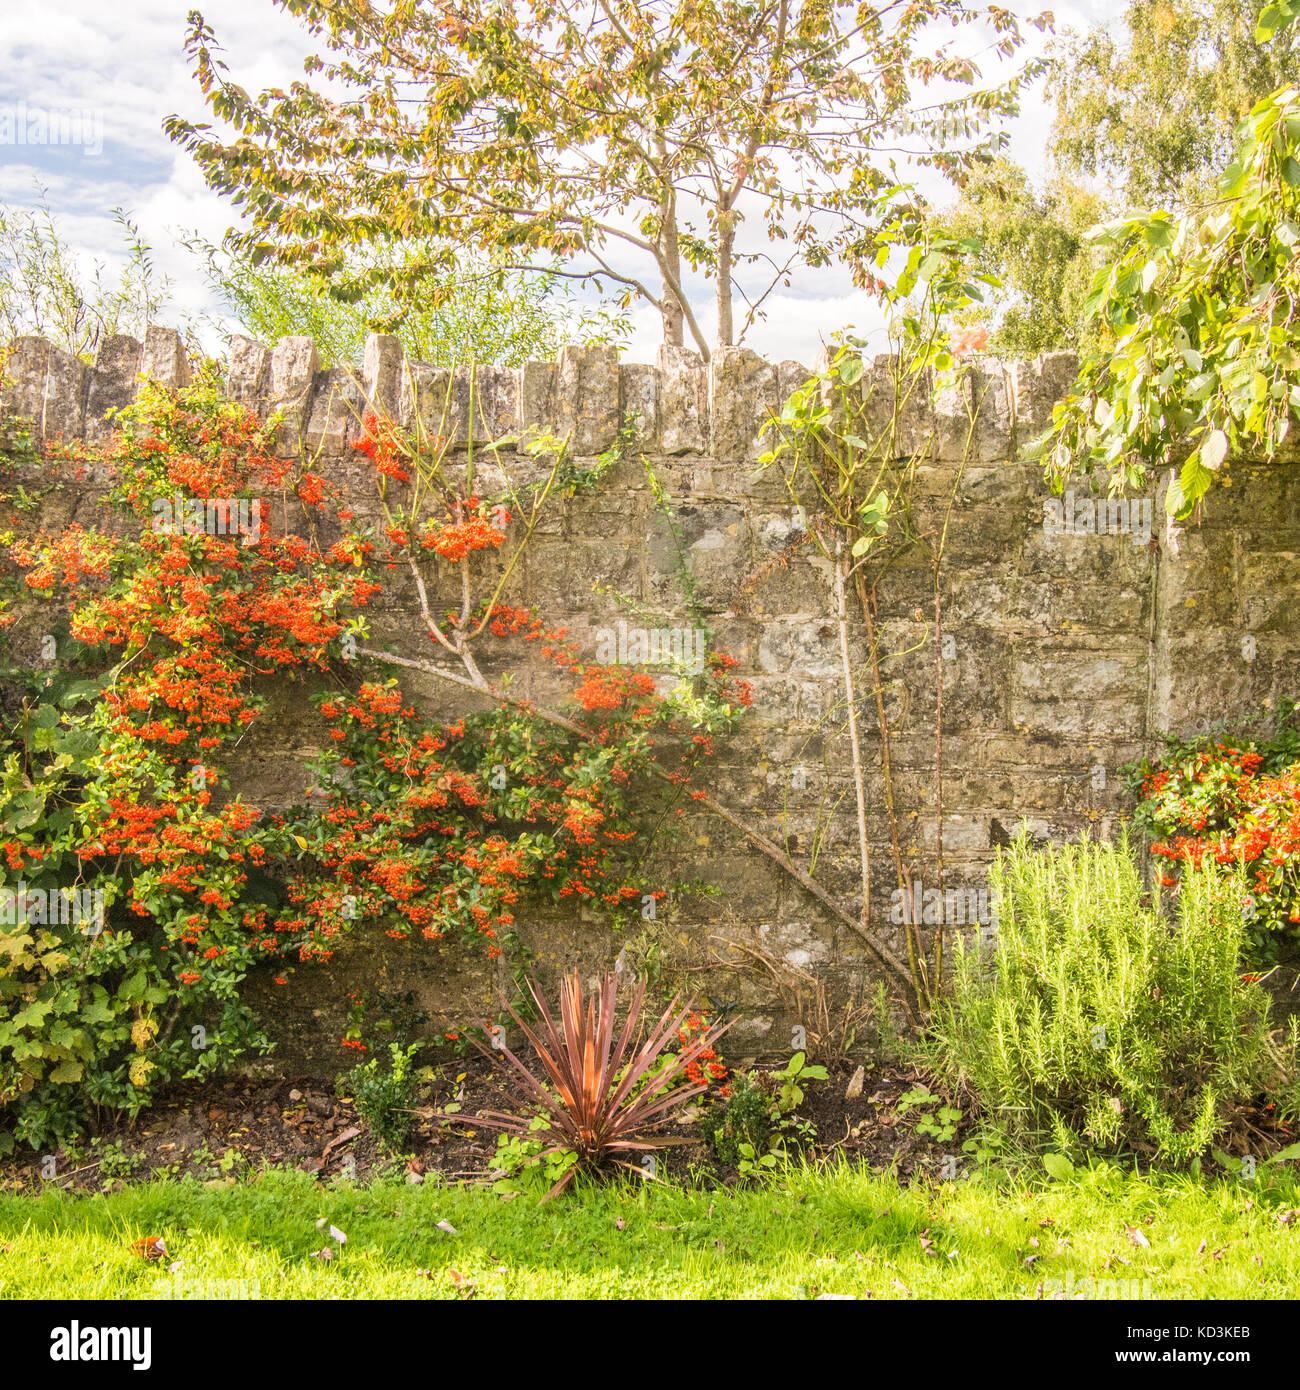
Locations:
(385, 1095)
(759, 1123)
(1106, 1018)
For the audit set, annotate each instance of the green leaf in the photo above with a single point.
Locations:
(1214, 449)
(851, 370)
(25, 809)
(1058, 1167)
(78, 691)
(1268, 23)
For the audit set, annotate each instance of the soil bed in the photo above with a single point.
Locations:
(218, 1130)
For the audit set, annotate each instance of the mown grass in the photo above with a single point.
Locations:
(843, 1232)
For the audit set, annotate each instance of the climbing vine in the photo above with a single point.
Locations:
(138, 891)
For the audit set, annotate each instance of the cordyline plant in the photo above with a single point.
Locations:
(604, 1098)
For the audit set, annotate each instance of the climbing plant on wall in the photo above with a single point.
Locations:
(848, 447)
(137, 894)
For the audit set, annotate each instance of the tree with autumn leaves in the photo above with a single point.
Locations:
(605, 135)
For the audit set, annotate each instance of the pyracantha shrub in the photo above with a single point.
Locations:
(140, 891)
(1233, 803)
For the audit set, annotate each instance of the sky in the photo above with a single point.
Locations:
(104, 75)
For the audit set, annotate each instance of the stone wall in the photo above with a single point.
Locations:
(1067, 648)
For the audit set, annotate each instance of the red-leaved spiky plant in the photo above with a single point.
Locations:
(595, 1105)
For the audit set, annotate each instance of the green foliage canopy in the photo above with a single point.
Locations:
(1203, 309)
(599, 133)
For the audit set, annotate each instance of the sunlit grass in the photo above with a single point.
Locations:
(843, 1232)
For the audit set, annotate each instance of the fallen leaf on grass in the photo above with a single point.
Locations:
(350, 1133)
(448, 1227)
(325, 1254)
(1137, 1237)
(149, 1247)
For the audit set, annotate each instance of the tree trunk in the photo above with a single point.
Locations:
(726, 240)
(673, 317)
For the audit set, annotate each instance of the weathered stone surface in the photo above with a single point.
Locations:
(1036, 386)
(639, 385)
(113, 381)
(586, 398)
(63, 408)
(23, 390)
(248, 372)
(916, 429)
(164, 358)
(496, 404)
(743, 396)
(537, 396)
(338, 407)
(294, 364)
(790, 376)
(424, 400)
(683, 401)
(381, 373)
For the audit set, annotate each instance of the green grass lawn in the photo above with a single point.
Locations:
(840, 1232)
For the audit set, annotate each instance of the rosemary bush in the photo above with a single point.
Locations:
(1102, 1016)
